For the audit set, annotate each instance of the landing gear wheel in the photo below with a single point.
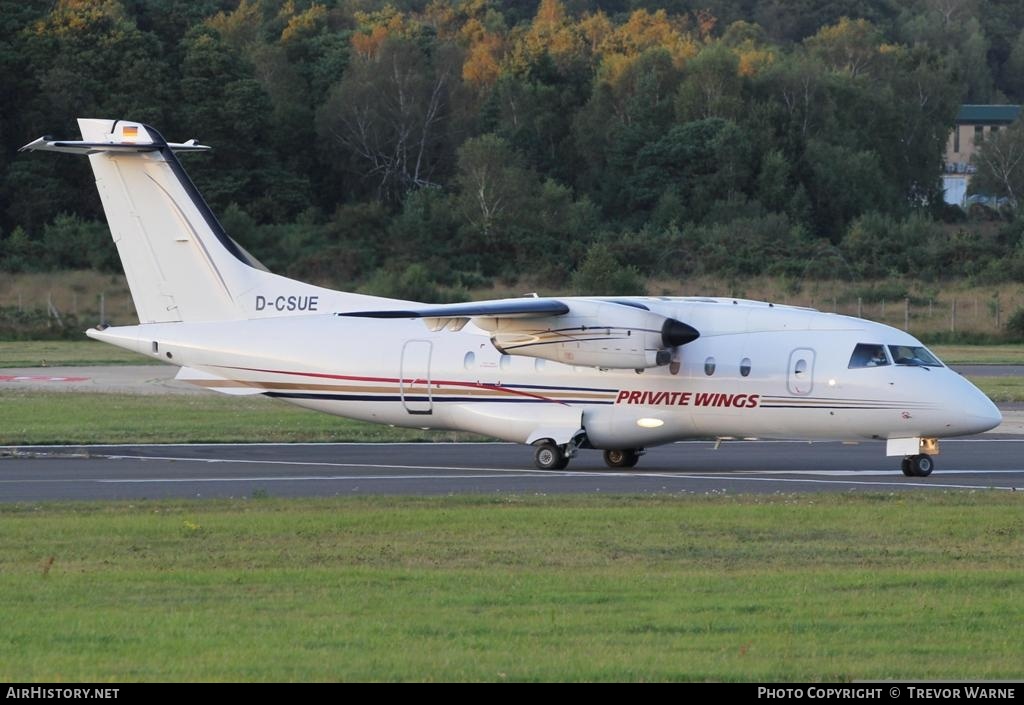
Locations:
(905, 466)
(918, 465)
(550, 457)
(624, 458)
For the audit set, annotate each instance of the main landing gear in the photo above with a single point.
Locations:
(625, 458)
(918, 465)
(550, 456)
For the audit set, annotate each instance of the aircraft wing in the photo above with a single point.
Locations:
(500, 308)
(609, 333)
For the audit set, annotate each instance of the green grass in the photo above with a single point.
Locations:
(980, 354)
(34, 417)
(58, 353)
(1001, 389)
(781, 588)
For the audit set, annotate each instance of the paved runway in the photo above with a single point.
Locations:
(298, 470)
(989, 370)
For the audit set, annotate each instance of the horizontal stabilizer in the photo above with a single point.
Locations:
(125, 137)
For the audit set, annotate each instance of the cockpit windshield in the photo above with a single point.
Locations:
(913, 356)
(868, 355)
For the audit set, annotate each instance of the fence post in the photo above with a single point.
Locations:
(860, 307)
(103, 308)
(51, 310)
(952, 317)
(906, 314)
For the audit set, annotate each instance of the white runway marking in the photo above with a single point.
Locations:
(732, 474)
(365, 478)
(296, 478)
(929, 485)
(311, 463)
(481, 444)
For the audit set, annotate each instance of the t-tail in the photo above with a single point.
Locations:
(179, 262)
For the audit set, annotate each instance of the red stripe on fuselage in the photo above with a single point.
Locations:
(395, 380)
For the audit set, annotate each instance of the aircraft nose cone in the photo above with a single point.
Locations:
(981, 414)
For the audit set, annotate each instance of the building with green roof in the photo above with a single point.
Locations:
(973, 124)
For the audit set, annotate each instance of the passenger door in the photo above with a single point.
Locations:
(800, 379)
(414, 381)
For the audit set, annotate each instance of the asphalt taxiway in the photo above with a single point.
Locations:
(59, 473)
(300, 470)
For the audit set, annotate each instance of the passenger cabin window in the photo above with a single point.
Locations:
(745, 367)
(868, 355)
(913, 356)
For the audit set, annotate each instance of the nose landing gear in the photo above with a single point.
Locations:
(918, 465)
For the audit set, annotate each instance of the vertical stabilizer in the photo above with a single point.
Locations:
(180, 265)
(179, 262)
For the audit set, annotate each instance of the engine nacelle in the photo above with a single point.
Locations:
(594, 334)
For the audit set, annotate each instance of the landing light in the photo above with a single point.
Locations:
(649, 423)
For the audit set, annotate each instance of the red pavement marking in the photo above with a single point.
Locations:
(40, 378)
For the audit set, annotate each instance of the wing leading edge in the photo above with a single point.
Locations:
(500, 308)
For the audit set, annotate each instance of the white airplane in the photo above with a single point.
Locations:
(562, 374)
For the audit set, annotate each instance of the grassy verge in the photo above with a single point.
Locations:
(86, 417)
(980, 354)
(783, 588)
(1001, 390)
(57, 353)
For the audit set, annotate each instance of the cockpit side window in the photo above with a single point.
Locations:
(913, 356)
(868, 355)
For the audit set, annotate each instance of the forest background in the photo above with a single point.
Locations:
(429, 150)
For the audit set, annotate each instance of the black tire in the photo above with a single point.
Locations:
(918, 465)
(621, 458)
(923, 465)
(550, 457)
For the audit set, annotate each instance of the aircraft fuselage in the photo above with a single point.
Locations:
(758, 370)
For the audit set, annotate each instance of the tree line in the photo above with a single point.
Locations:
(420, 149)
